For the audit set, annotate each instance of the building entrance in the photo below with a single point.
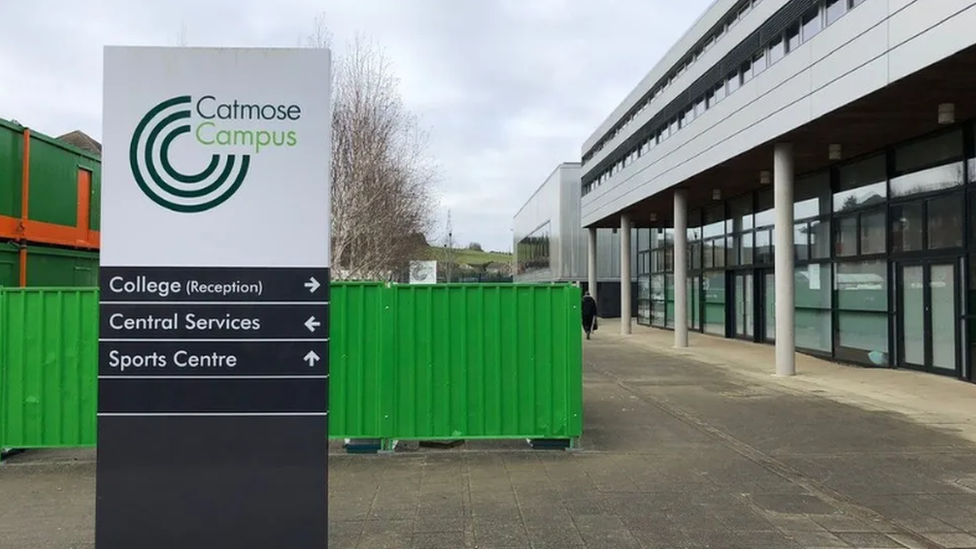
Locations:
(928, 316)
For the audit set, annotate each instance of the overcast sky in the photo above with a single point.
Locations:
(507, 88)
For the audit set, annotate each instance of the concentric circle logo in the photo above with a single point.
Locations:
(164, 183)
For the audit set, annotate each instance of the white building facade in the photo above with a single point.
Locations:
(551, 246)
(807, 170)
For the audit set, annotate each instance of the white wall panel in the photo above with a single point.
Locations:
(869, 47)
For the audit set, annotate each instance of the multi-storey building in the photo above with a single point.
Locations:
(807, 170)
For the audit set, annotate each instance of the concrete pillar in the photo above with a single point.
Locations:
(680, 269)
(783, 175)
(591, 261)
(625, 312)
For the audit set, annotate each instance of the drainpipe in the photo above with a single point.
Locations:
(24, 201)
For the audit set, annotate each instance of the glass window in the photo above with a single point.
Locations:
(866, 332)
(813, 329)
(812, 196)
(906, 228)
(873, 233)
(669, 300)
(722, 246)
(801, 244)
(792, 37)
(720, 92)
(694, 259)
(741, 210)
(835, 9)
(932, 179)
(812, 23)
(764, 247)
(937, 150)
(777, 49)
(746, 71)
(845, 237)
(813, 289)
(862, 286)
(710, 99)
(820, 239)
(861, 184)
(733, 81)
(765, 214)
(708, 254)
(945, 220)
(714, 222)
(746, 243)
(532, 252)
(759, 62)
(699, 107)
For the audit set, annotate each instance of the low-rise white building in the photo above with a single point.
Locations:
(551, 246)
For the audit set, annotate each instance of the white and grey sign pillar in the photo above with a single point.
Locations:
(680, 268)
(213, 379)
(784, 258)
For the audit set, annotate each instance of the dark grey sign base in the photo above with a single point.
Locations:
(209, 482)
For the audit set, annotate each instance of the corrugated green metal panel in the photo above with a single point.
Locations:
(53, 184)
(9, 264)
(11, 153)
(406, 362)
(490, 361)
(360, 366)
(48, 378)
(48, 267)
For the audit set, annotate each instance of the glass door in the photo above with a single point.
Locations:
(744, 290)
(768, 305)
(928, 317)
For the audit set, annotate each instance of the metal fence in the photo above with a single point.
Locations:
(459, 361)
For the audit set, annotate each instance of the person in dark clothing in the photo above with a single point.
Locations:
(589, 314)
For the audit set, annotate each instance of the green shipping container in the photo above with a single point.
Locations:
(406, 362)
(48, 266)
(54, 178)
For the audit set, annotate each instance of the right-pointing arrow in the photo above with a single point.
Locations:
(312, 357)
(312, 285)
(312, 324)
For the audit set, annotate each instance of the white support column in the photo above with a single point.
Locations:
(784, 264)
(591, 262)
(680, 269)
(625, 278)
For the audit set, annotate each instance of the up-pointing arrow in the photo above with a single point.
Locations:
(312, 324)
(312, 357)
(312, 285)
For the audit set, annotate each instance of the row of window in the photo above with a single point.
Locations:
(735, 15)
(815, 19)
(869, 209)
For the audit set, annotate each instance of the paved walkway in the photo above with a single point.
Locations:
(678, 452)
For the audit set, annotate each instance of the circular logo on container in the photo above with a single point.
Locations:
(167, 184)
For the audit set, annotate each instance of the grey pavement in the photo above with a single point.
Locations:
(676, 453)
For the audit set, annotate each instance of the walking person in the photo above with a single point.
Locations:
(589, 314)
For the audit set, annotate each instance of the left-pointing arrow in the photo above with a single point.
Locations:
(312, 324)
(312, 357)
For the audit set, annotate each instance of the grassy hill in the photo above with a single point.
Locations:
(469, 257)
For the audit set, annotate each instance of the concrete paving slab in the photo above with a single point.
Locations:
(677, 452)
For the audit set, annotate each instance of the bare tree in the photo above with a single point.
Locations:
(382, 178)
